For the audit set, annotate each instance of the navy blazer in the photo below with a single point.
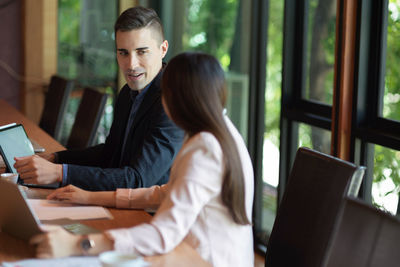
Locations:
(152, 144)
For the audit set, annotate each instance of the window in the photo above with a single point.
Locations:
(386, 183)
(220, 28)
(307, 80)
(270, 154)
(391, 100)
(86, 54)
(377, 127)
(320, 50)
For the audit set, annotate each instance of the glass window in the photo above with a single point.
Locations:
(315, 138)
(391, 107)
(86, 43)
(321, 50)
(386, 183)
(270, 164)
(220, 28)
(86, 54)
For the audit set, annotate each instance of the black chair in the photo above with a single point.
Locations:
(55, 105)
(87, 119)
(310, 206)
(365, 237)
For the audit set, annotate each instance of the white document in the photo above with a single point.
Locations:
(67, 262)
(63, 262)
(53, 210)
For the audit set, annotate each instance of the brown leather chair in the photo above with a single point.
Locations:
(311, 204)
(87, 119)
(365, 237)
(55, 105)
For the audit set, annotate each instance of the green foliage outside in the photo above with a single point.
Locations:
(211, 27)
(321, 43)
(387, 167)
(272, 105)
(89, 62)
(274, 72)
(387, 161)
(391, 108)
(68, 36)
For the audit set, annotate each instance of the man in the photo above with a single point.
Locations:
(143, 141)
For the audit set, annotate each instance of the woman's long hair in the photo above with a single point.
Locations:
(193, 90)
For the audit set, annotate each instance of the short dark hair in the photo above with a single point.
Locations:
(137, 18)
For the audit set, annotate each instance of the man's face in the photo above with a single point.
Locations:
(139, 55)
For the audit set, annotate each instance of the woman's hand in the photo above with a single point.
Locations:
(55, 243)
(71, 194)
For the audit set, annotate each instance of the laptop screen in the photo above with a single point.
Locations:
(14, 143)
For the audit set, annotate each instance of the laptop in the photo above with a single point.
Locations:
(14, 142)
(18, 219)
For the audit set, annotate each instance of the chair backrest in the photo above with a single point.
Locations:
(310, 205)
(365, 237)
(55, 105)
(87, 119)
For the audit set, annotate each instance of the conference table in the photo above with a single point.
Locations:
(13, 249)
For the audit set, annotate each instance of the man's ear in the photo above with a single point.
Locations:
(164, 48)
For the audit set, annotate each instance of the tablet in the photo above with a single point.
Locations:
(14, 142)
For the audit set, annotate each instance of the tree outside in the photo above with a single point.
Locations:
(386, 184)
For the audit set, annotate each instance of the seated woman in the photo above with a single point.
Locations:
(208, 200)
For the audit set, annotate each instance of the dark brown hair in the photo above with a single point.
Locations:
(193, 89)
(135, 18)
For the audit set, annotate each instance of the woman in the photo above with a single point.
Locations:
(208, 200)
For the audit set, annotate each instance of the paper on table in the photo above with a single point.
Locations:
(63, 262)
(66, 262)
(52, 210)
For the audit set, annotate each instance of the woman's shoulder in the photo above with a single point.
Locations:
(202, 141)
(205, 139)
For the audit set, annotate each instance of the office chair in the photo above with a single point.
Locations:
(309, 208)
(55, 105)
(365, 237)
(87, 119)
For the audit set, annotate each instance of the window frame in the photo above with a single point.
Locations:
(371, 128)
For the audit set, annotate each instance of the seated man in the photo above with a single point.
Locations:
(143, 141)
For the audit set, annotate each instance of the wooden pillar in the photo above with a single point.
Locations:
(40, 53)
(346, 29)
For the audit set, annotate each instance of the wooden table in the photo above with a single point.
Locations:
(12, 249)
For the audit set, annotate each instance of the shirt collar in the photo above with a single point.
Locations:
(135, 94)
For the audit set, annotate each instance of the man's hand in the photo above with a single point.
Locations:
(48, 156)
(37, 170)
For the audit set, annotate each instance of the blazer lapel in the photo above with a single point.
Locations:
(152, 95)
